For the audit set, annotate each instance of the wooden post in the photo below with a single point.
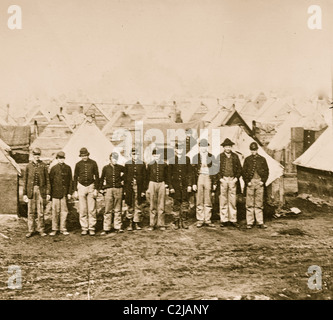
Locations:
(281, 191)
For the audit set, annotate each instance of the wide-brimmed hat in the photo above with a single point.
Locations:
(203, 143)
(84, 152)
(60, 155)
(227, 142)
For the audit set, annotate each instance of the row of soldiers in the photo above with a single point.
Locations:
(202, 176)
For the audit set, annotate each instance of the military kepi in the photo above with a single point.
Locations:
(60, 155)
(84, 152)
(254, 146)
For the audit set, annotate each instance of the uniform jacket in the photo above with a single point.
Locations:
(61, 181)
(44, 181)
(86, 173)
(180, 177)
(112, 176)
(196, 165)
(236, 166)
(157, 172)
(257, 163)
(138, 172)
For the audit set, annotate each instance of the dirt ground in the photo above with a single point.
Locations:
(196, 263)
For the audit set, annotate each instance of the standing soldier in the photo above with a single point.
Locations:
(36, 188)
(157, 177)
(134, 186)
(180, 179)
(203, 182)
(61, 190)
(228, 175)
(112, 180)
(86, 182)
(255, 175)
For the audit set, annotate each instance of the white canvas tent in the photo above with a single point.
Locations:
(242, 142)
(88, 135)
(319, 155)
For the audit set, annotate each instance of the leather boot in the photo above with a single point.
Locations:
(176, 223)
(183, 224)
(130, 226)
(137, 227)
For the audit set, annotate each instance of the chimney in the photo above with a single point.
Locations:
(81, 109)
(60, 110)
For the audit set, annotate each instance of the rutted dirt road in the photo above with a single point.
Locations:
(174, 264)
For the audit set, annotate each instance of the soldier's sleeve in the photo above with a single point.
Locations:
(214, 172)
(47, 179)
(189, 172)
(70, 177)
(26, 174)
(76, 175)
(239, 167)
(266, 170)
(122, 173)
(96, 175)
(244, 170)
(166, 175)
(101, 180)
(51, 175)
(147, 176)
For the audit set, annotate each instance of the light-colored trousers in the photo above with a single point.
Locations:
(36, 205)
(87, 204)
(134, 212)
(113, 207)
(157, 203)
(59, 214)
(228, 211)
(204, 202)
(254, 202)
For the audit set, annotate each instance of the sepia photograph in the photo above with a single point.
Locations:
(166, 150)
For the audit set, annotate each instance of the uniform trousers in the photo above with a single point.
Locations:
(227, 199)
(35, 205)
(113, 208)
(157, 203)
(254, 202)
(204, 202)
(59, 214)
(87, 204)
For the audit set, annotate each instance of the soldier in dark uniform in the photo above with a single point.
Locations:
(112, 182)
(135, 176)
(180, 184)
(86, 183)
(36, 188)
(255, 174)
(157, 177)
(61, 190)
(230, 170)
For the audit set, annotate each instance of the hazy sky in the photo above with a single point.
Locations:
(154, 49)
